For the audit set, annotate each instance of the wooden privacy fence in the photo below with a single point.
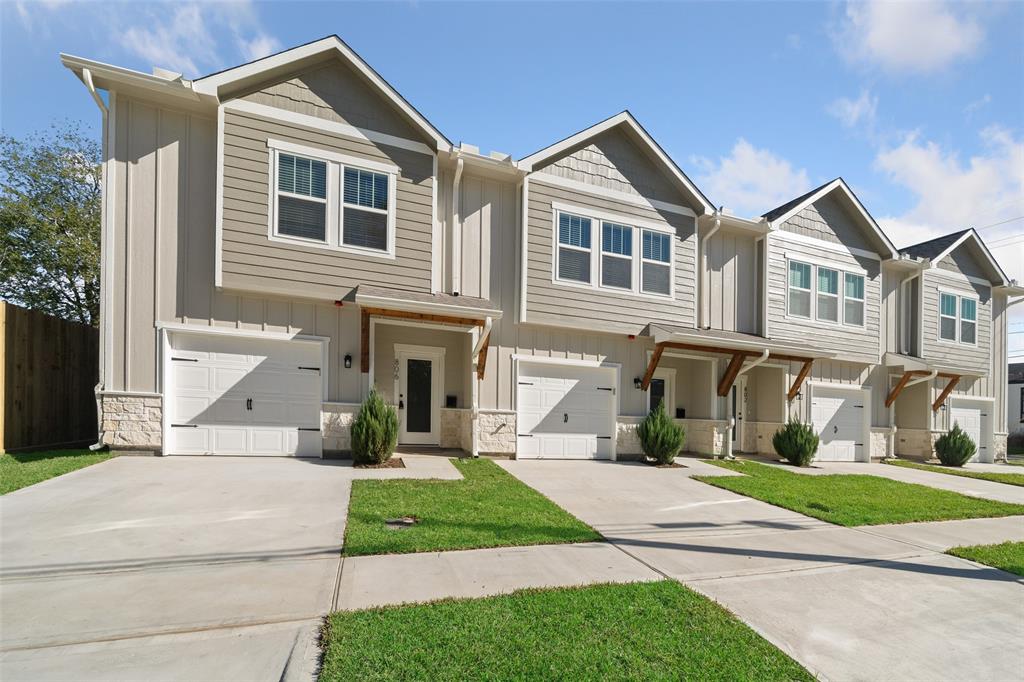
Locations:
(48, 370)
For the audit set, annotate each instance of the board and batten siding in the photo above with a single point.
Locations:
(596, 308)
(861, 344)
(950, 354)
(162, 247)
(253, 262)
(733, 269)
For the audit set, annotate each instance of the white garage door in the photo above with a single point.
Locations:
(238, 396)
(565, 412)
(971, 419)
(838, 418)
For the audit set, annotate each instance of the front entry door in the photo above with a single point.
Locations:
(737, 405)
(419, 382)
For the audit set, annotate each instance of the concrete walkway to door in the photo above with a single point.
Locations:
(849, 604)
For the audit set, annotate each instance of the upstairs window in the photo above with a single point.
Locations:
(853, 299)
(799, 289)
(302, 197)
(364, 219)
(947, 317)
(657, 263)
(616, 256)
(958, 318)
(828, 294)
(573, 248)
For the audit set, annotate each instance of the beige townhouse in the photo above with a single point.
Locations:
(280, 236)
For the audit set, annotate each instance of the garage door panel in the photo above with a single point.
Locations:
(971, 420)
(186, 409)
(191, 377)
(230, 441)
(562, 411)
(837, 416)
(191, 441)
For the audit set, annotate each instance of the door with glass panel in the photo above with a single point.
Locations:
(420, 376)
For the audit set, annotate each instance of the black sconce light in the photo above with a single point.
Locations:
(348, 361)
(638, 383)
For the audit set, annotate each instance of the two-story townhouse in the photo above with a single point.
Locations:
(282, 236)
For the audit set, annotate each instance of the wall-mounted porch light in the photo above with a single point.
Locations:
(638, 383)
(348, 361)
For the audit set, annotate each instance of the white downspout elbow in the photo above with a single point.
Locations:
(764, 356)
(701, 257)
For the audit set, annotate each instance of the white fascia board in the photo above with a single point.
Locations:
(211, 85)
(624, 118)
(839, 184)
(427, 308)
(106, 75)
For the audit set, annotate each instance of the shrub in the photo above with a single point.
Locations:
(955, 447)
(660, 437)
(374, 431)
(797, 442)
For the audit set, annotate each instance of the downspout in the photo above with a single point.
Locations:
(104, 242)
(457, 229)
(474, 418)
(701, 254)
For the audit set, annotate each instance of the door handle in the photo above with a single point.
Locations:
(565, 417)
(835, 428)
(401, 404)
(248, 404)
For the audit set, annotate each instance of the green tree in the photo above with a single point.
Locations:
(50, 223)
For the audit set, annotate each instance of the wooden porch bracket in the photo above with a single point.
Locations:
(481, 362)
(953, 381)
(652, 365)
(731, 372)
(898, 388)
(800, 378)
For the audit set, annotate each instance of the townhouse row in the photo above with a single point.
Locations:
(282, 236)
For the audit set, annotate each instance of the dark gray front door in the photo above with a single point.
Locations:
(419, 387)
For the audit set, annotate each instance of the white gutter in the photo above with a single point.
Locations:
(913, 382)
(701, 254)
(456, 229)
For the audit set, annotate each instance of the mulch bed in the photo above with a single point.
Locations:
(393, 463)
(654, 463)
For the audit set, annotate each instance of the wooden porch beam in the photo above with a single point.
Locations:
(800, 377)
(652, 365)
(423, 317)
(898, 388)
(731, 372)
(364, 342)
(772, 355)
(945, 393)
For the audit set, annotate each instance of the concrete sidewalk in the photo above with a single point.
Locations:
(849, 604)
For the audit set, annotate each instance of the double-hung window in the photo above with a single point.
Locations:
(573, 248)
(332, 200)
(616, 256)
(301, 197)
(947, 317)
(656, 277)
(958, 318)
(853, 299)
(799, 289)
(968, 320)
(828, 294)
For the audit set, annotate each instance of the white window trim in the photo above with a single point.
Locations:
(809, 290)
(863, 300)
(958, 296)
(611, 254)
(597, 220)
(840, 286)
(841, 295)
(336, 164)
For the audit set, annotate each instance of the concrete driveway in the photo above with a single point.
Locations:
(850, 604)
(175, 568)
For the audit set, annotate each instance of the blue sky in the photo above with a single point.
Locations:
(920, 106)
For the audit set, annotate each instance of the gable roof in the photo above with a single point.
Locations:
(781, 214)
(627, 120)
(266, 67)
(940, 247)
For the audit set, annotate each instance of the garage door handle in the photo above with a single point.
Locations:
(312, 369)
(565, 417)
(185, 426)
(248, 404)
(835, 429)
(185, 359)
(309, 428)
(525, 435)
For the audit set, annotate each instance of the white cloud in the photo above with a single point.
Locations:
(750, 180)
(180, 43)
(915, 37)
(258, 46)
(851, 112)
(978, 104)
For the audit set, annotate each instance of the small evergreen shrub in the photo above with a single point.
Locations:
(955, 447)
(374, 431)
(797, 442)
(660, 437)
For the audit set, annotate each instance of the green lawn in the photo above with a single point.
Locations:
(1007, 556)
(639, 631)
(854, 499)
(24, 469)
(998, 477)
(489, 508)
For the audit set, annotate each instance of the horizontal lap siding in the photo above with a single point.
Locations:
(852, 343)
(954, 354)
(600, 309)
(252, 261)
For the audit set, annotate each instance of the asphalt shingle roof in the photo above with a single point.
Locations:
(784, 208)
(933, 247)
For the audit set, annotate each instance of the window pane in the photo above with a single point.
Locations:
(854, 312)
(854, 286)
(968, 309)
(297, 175)
(657, 394)
(654, 278)
(947, 304)
(828, 281)
(616, 272)
(363, 188)
(828, 308)
(799, 303)
(800, 275)
(967, 330)
(301, 218)
(656, 246)
(365, 229)
(574, 230)
(574, 265)
(947, 328)
(617, 239)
